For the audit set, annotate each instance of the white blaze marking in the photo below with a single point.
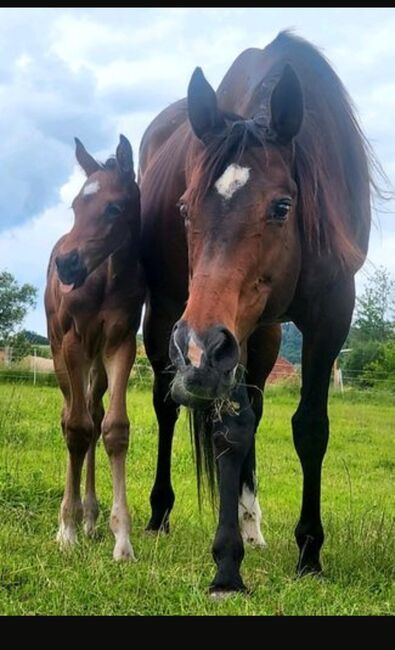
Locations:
(194, 352)
(91, 188)
(233, 178)
(250, 516)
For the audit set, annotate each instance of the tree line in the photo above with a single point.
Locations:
(367, 359)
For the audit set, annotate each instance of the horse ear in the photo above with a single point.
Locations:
(286, 105)
(124, 156)
(203, 112)
(88, 164)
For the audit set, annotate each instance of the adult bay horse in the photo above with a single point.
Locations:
(255, 210)
(93, 303)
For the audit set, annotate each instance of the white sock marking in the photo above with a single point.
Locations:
(250, 516)
(91, 188)
(233, 178)
(66, 536)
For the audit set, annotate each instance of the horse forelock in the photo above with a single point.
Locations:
(223, 148)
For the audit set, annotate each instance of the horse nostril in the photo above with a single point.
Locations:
(177, 345)
(224, 349)
(68, 265)
(73, 260)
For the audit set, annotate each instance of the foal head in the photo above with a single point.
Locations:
(106, 213)
(243, 243)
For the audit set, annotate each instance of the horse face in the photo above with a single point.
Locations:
(243, 247)
(105, 210)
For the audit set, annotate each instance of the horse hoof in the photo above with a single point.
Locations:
(255, 542)
(90, 528)
(221, 591)
(218, 593)
(153, 529)
(222, 595)
(123, 552)
(66, 539)
(309, 569)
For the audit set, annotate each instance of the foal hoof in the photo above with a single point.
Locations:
(123, 552)
(66, 538)
(90, 529)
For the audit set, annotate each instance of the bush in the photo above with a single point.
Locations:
(381, 371)
(353, 363)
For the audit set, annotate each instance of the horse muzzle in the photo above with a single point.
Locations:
(206, 364)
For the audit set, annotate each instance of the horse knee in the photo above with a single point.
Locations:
(78, 434)
(115, 434)
(310, 433)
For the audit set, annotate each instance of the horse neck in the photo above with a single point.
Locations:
(123, 259)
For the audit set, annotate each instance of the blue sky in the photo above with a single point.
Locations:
(94, 73)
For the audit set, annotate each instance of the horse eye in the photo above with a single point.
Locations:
(113, 210)
(183, 210)
(279, 210)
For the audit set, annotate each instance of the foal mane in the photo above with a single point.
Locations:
(334, 164)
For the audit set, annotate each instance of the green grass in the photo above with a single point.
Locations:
(173, 572)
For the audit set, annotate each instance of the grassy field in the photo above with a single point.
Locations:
(173, 572)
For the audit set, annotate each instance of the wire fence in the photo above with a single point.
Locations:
(36, 367)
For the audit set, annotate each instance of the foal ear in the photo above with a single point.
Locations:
(203, 112)
(124, 156)
(286, 106)
(88, 164)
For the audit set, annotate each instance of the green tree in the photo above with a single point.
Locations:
(373, 327)
(291, 343)
(374, 308)
(15, 301)
(21, 347)
(34, 338)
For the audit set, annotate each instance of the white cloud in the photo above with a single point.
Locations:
(96, 73)
(25, 250)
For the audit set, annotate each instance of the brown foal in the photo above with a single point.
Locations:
(93, 303)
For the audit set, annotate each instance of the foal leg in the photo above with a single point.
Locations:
(78, 431)
(263, 348)
(323, 335)
(97, 388)
(232, 439)
(115, 429)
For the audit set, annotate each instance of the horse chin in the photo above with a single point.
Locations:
(185, 393)
(68, 287)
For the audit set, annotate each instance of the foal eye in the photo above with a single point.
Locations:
(279, 210)
(113, 210)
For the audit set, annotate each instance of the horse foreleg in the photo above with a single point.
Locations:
(162, 495)
(78, 430)
(157, 331)
(323, 335)
(232, 438)
(250, 514)
(97, 388)
(262, 351)
(115, 429)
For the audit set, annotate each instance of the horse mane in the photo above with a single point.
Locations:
(334, 164)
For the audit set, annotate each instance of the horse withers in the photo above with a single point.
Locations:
(93, 303)
(255, 211)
